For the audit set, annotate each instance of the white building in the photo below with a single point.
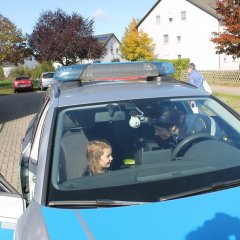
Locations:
(183, 29)
(112, 45)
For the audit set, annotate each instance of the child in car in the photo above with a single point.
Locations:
(99, 155)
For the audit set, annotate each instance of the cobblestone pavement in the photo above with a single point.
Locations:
(16, 111)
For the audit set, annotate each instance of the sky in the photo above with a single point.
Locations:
(110, 16)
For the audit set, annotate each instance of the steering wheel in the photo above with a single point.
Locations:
(186, 142)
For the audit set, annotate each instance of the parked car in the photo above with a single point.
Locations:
(23, 83)
(46, 80)
(184, 185)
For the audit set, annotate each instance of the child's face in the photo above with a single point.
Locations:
(106, 158)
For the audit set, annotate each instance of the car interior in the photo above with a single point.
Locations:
(136, 153)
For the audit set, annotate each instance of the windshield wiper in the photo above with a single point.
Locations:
(95, 203)
(213, 187)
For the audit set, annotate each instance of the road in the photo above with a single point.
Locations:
(16, 111)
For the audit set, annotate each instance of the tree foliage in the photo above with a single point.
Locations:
(64, 38)
(228, 41)
(136, 45)
(13, 45)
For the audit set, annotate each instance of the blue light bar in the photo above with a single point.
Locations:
(113, 71)
(69, 73)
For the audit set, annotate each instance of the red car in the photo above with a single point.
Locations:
(22, 83)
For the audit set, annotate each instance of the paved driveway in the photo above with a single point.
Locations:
(16, 111)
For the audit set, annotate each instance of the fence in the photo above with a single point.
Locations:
(230, 77)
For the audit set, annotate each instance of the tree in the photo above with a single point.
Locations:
(228, 41)
(63, 38)
(13, 45)
(136, 45)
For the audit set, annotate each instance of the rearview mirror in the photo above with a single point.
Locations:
(105, 116)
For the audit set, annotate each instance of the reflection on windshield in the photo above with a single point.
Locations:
(151, 143)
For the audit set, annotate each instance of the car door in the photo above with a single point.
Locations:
(12, 205)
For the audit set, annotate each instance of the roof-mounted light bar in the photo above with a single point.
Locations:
(113, 71)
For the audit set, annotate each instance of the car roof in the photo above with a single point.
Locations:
(47, 73)
(96, 83)
(116, 91)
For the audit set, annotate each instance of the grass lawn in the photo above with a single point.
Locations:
(232, 100)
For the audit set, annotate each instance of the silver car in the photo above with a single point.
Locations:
(170, 169)
(46, 80)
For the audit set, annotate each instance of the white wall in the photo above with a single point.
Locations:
(195, 31)
(112, 50)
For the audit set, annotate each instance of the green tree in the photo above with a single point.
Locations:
(228, 40)
(136, 45)
(13, 45)
(63, 38)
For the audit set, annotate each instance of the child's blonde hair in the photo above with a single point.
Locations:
(94, 153)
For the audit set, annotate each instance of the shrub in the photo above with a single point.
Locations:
(33, 73)
(179, 64)
(1, 74)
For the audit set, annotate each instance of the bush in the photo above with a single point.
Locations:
(32, 73)
(179, 64)
(19, 71)
(43, 67)
(1, 74)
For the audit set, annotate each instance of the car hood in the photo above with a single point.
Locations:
(207, 216)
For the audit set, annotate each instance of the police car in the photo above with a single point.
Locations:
(173, 175)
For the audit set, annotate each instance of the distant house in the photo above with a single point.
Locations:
(112, 45)
(28, 62)
(7, 68)
(183, 29)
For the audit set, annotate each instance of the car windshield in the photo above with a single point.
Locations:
(158, 148)
(48, 75)
(22, 78)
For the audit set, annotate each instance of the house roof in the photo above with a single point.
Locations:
(209, 6)
(104, 38)
(206, 5)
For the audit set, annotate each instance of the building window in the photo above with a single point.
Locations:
(179, 38)
(179, 56)
(165, 38)
(170, 19)
(116, 50)
(183, 15)
(157, 19)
